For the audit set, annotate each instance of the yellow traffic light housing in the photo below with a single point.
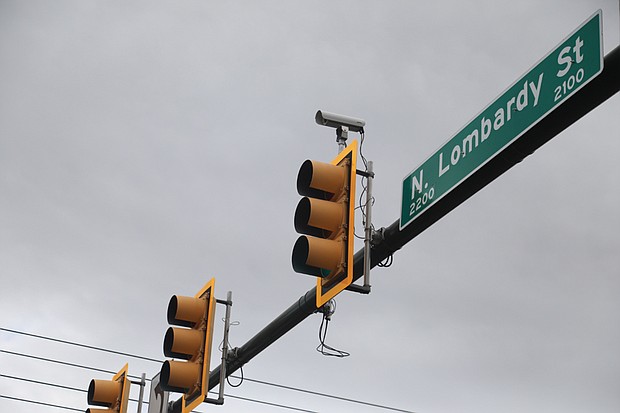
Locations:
(191, 343)
(111, 394)
(326, 216)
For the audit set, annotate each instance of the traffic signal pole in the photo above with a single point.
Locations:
(392, 238)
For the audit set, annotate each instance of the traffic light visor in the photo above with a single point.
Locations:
(320, 180)
(316, 256)
(179, 376)
(104, 392)
(186, 311)
(318, 217)
(182, 343)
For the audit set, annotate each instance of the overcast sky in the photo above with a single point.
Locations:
(147, 146)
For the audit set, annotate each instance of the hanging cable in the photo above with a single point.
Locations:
(364, 183)
(328, 310)
(386, 262)
(240, 379)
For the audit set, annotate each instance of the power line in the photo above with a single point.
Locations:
(58, 386)
(266, 383)
(271, 404)
(40, 403)
(297, 409)
(64, 363)
(282, 386)
(72, 343)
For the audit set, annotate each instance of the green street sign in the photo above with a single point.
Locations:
(572, 64)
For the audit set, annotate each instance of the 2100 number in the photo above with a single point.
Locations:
(568, 84)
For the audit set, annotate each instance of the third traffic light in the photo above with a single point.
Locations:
(111, 394)
(326, 216)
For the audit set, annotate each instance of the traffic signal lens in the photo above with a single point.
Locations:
(186, 311)
(112, 394)
(318, 217)
(179, 376)
(316, 256)
(320, 180)
(103, 392)
(182, 343)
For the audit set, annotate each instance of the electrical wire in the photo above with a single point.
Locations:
(58, 386)
(378, 406)
(282, 406)
(72, 343)
(315, 393)
(262, 382)
(386, 262)
(241, 379)
(2, 396)
(364, 183)
(64, 363)
(328, 310)
(131, 400)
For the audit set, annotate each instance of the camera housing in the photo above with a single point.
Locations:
(334, 120)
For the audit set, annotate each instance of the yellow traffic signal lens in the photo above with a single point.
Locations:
(318, 217)
(112, 394)
(179, 376)
(320, 180)
(316, 256)
(182, 343)
(104, 392)
(186, 311)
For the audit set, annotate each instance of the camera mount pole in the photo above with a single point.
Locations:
(342, 133)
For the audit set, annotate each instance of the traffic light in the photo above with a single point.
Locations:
(191, 343)
(112, 394)
(325, 215)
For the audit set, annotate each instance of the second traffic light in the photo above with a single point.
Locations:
(326, 216)
(193, 344)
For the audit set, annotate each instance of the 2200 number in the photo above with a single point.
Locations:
(421, 201)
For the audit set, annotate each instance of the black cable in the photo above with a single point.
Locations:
(240, 379)
(282, 406)
(364, 183)
(64, 363)
(151, 359)
(325, 349)
(386, 262)
(59, 386)
(363, 136)
(315, 393)
(40, 403)
(328, 310)
(80, 345)
(133, 400)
